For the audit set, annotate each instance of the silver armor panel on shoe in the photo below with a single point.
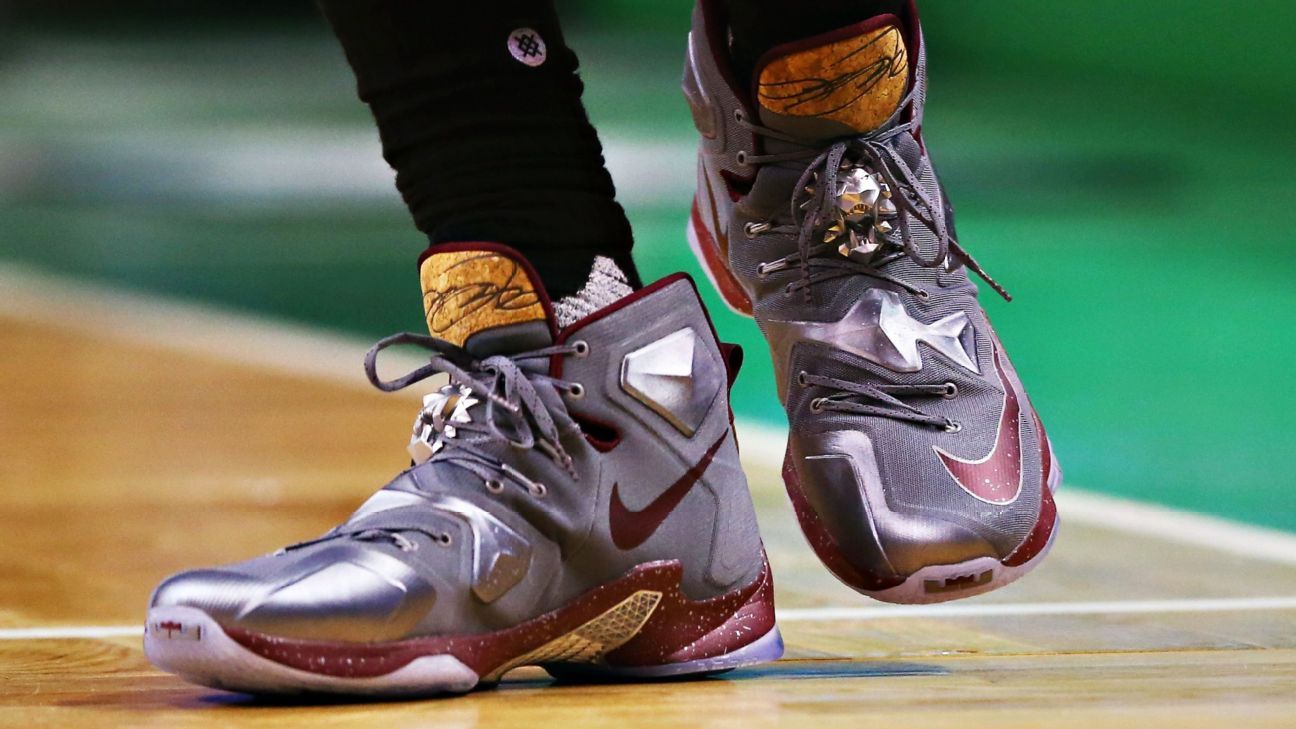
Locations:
(675, 377)
(500, 557)
(878, 329)
(344, 592)
(840, 478)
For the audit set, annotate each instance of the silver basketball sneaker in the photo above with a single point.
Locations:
(917, 466)
(575, 502)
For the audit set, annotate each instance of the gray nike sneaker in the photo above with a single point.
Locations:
(575, 502)
(916, 464)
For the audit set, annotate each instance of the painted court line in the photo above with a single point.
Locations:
(830, 614)
(63, 632)
(977, 610)
(300, 351)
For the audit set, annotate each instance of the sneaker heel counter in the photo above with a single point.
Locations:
(737, 553)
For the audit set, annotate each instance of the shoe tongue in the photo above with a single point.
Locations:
(843, 83)
(486, 298)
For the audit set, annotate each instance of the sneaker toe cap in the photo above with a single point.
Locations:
(837, 477)
(349, 595)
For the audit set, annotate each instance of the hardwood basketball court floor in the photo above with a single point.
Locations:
(140, 437)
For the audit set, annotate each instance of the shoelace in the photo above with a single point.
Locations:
(374, 534)
(820, 262)
(880, 399)
(513, 409)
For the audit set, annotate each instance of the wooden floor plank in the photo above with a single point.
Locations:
(106, 684)
(123, 463)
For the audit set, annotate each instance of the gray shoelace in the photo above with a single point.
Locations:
(878, 400)
(819, 262)
(513, 409)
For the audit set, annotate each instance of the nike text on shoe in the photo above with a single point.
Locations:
(916, 465)
(575, 502)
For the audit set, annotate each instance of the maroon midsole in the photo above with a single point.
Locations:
(678, 627)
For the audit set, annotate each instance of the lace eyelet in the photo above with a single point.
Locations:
(576, 391)
(494, 485)
(952, 427)
(817, 405)
(444, 540)
(739, 116)
(923, 295)
(539, 490)
(582, 348)
(753, 228)
(951, 391)
(801, 379)
(741, 158)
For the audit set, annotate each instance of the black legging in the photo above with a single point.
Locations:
(488, 148)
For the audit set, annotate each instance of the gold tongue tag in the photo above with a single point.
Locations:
(857, 81)
(470, 291)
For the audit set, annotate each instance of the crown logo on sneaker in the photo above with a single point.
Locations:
(857, 81)
(470, 291)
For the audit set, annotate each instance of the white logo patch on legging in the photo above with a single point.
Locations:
(526, 45)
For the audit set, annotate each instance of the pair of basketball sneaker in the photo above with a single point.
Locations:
(576, 500)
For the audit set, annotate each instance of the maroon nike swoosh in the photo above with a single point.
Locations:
(632, 528)
(996, 478)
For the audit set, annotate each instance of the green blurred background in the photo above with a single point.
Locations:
(1126, 168)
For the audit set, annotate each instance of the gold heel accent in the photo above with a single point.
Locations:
(592, 640)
